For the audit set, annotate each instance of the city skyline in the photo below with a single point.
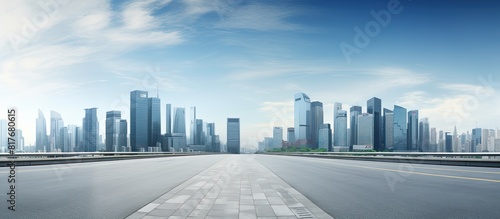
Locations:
(250, 56)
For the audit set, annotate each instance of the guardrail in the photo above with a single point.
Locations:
(483, 159)
(30, 159)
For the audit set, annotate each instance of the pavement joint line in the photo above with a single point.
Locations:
(235, 187)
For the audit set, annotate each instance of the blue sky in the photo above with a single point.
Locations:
(236, 58)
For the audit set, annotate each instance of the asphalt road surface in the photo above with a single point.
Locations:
(110, 189)
(342, 188)
(366, 189)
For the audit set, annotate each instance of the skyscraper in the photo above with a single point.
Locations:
(210, 141)
(366, 129)
(355, 112)
(448, 142)
(441, 146)
(198, 136)
(476, 139)
(179, 121)
(122, 134)
(340, 132)
(424, 135)
(316, 122)
(41, 132)
(291, 135)
(374, 107)
(113, 119)
(139, 115)
(336, 108)
(56, 123)
(433, 144)
(413, 131)
(192, 126)
(168, 119)
(302, 119)
(90, 130)
(154, 121)
(388, 129)
(325, 137)
(277, 137)
(3, 135)
(400, 129)
(233, 135)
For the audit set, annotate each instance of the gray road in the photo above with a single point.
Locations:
(113, 189)
(365, 189)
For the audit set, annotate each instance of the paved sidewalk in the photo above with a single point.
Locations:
(236, 187)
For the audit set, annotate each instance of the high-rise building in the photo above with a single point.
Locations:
(291, 135)
(56, 123)
(448, 142)
(19, 140)
(325, 137)
(374, 107)
(277, 137)
(400, 141)
(336, 107)
(192, 127)
(366, 132)
(355, 112)
(168, 118)
(302, 119)
(122, 134)
(233, 135)
(475, 139)
(316, 122)
(424, 135)
(113, 119)
(179, 120)
(433, 144)
(441, 146)
(210, 141)
(456, 141)
(198, 136)
(139, 115)
(41, 133)
(340, 132)
(154, 121)
(413, 131)
(3, 135)
(90, 130)
(485, 135)
(388, 129)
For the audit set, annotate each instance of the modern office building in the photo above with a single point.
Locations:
(179, 121)
(325, 137)
(424, 135)
(3, 135)
(388, 129)
(277, 137)
(340, 132)
(168, 119)
(355, 112)
(448, 142)
(90, 130)
(233, 135)
(210, 140)
(116, 131)
(192, 126)
(56, 123)
(199, 133)
(291, 135)
(154, 121)
(374, 107)
(316, 122)
(41, 133)
(302, 119)
(476, 139)
(441, 143)
(139, 115)
(413, 131)
(400, 136)
(434, 143)
(366, 132)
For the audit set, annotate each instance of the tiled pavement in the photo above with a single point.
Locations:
(236, 187)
